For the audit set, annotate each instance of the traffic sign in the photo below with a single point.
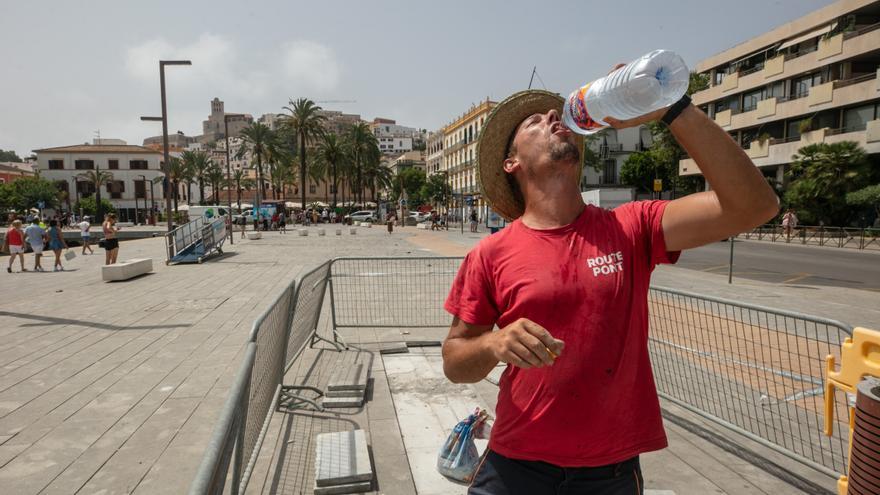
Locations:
(658, 185)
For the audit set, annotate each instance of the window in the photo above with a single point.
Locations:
(137, 164)
(313, 189)
(113, 164)
(609, 172)
(115, 188)
(751, 99)
(85, 188)
(84, 164)
(56, 164)
(140, 189)
(856, 119)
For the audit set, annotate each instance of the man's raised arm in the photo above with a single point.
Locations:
(740, 199)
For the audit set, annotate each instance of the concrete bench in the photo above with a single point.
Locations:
(353, 231)
(367, 225)
(322, 232)
(254, 235)
(423, 226)
(338, 231)
(125, 224)
(303, 232)
(127, 269)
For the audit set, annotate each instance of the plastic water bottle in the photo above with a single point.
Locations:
(649, 83)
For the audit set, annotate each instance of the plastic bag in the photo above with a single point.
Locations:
(458, 458)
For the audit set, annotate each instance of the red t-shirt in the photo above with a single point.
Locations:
(13, 235)
(587, 284)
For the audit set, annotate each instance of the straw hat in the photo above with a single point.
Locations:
(495, 137)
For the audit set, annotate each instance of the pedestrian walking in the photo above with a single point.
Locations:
(86, 235)
(36, 237)
(435, 221)
(282, 222)
(566, 284)
(13, 243)
(325, 215)
(473, 219)
(389, 222)
(315, 216)
(56, 243)
(111, 243)
(789, 222)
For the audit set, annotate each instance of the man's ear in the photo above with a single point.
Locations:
(511, 165)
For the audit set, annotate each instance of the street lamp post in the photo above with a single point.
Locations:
(152, 201)
(228, 176)
(164, 119)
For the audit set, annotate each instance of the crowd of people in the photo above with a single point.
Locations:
(41, 234)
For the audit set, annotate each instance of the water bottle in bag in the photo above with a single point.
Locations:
(649, 83)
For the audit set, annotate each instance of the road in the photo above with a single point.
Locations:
(789, 264)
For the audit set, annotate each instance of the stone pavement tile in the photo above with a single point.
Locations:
(423, 464)
(665, 470)
(123, 471)
(385, 438)
(728, 480)
(171, 468)
(393, 475)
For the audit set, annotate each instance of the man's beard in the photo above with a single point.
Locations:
(565, 152)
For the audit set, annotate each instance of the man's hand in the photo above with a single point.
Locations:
(525, 344)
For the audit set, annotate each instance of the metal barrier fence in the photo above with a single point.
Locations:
(755, 370)
(182, 237)
(841, 237)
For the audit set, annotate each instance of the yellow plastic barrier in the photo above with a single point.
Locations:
(859, 357)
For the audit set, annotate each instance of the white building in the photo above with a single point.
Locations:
(133, 169)
(394, 145)
(614, 146)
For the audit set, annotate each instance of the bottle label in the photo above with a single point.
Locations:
(577, 110)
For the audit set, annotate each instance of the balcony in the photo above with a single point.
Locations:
(832, 94)
(835, 49)
(779, 151)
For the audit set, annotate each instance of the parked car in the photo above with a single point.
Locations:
(248, 216)
(419, 217)
(362, 216)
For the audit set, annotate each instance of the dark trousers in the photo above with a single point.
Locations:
(499, 475)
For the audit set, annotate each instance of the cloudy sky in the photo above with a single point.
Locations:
(69, 68)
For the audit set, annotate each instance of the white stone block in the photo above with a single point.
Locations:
(338, 231)
(322, 232)
(254, 235)
(353, 231)
(367, 225)
(303, 232)
(423, 226)
(127, 269)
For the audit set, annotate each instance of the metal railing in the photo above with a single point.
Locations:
(755, 370)
(758, 371)
(840, 237)
(183, 237)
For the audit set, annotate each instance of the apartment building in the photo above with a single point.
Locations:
(812, 80)
(455, 154)
(134, 168)
(613, 147)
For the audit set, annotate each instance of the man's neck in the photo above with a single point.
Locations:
(553, 205)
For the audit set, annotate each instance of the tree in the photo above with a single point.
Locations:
(410, 180)
(197, 163)
(307, 124)
(377, 176)
(9, 156)
(362, 144)
(332, 151)
(436, 190)
(88, 207)
(259, 141)
(237, 177)
(866, 197)
(177, 172)
(639, 171)
(215, 177)
(821, 175)
(665, 150)
(98, 178)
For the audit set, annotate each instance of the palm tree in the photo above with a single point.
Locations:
(198, 163)
(363, 144)
(177, 172)
(332, 152)
(306, 124)
(377, 176)
(260, 141)
(215, 177)
(237, 177)
(98, 178)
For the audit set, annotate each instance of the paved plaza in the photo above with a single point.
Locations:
(115, 387)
